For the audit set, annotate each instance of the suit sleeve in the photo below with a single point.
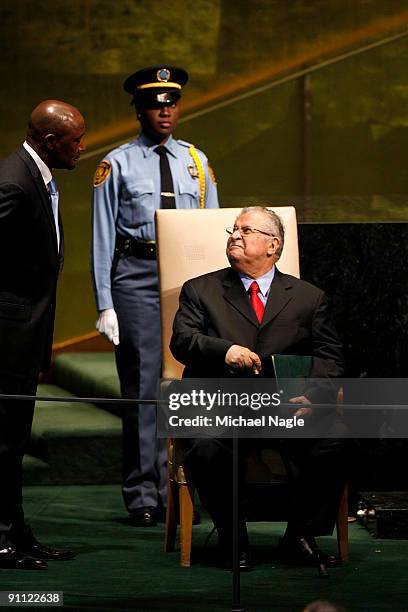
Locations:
(327, 349)
(11, 199)
(327, 354)
(191, 342)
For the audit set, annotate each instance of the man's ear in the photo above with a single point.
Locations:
(49, 141)
(273, 245)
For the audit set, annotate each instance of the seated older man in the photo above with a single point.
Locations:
(229, 323)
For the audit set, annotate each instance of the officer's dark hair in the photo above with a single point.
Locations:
(273, 224)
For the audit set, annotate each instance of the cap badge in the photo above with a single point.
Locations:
(163, 75)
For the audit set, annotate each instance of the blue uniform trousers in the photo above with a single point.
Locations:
(135, 296)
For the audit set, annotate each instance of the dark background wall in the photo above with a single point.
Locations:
(335, 144)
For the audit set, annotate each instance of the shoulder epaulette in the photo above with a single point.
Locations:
(123, 147)
(184, 143)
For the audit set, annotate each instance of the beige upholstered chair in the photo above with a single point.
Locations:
(190, 243)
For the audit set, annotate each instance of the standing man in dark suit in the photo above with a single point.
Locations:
(229, 323)
(31, 253)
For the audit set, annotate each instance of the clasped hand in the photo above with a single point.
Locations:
(240, 358)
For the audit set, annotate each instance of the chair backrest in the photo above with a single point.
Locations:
(193, 242)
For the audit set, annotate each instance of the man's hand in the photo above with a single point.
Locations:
(305, 410)
(107, 324)
(240, 357)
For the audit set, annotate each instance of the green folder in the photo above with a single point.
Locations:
(291, 373)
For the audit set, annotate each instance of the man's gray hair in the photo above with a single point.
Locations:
(273, 224)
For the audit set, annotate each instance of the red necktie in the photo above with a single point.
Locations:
(256, 301)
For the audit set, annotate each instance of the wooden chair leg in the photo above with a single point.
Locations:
(171, 516)
(342, 526)
(186, 524)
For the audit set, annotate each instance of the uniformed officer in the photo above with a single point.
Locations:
(153, 171)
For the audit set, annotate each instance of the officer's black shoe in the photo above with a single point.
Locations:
(143, 517)
(11, 558)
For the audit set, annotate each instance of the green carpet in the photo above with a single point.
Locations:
(124, 568)
(72, 442)
(88, 375)
(77, 443)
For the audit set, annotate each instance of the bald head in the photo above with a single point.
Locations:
(55, 131)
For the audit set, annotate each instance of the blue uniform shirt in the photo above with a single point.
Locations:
(127, 193)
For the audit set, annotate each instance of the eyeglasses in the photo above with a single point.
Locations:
(246, 231)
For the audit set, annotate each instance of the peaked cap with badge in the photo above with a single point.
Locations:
(156, 86)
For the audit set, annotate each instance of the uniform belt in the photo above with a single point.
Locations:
(137, 248)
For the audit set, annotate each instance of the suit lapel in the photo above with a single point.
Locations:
(278, 298)
(41, 189)
(61, 244)
(235, 294)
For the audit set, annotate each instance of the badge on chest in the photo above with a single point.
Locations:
(192, 170)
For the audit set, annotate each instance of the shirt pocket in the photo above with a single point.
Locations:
(189, 193)
(138, 202)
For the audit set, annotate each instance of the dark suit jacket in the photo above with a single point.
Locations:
(29, 267)
(215, 313)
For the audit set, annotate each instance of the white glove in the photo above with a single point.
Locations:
(107, 324)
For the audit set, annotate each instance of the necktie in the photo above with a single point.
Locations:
(256, 301)
(166, 180)
(54, 195)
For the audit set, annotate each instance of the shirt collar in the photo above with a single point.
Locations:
(148, 145)
(43, 168)
(264, 282)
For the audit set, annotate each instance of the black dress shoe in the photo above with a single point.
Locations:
(303, 551)
(160, 514)
(35, 549)
(245, 564)
(11, 558)
(244, 560)
(144, 517)
(26, 543)
(330, 560)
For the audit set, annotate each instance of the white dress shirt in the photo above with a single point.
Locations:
(47, 178)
